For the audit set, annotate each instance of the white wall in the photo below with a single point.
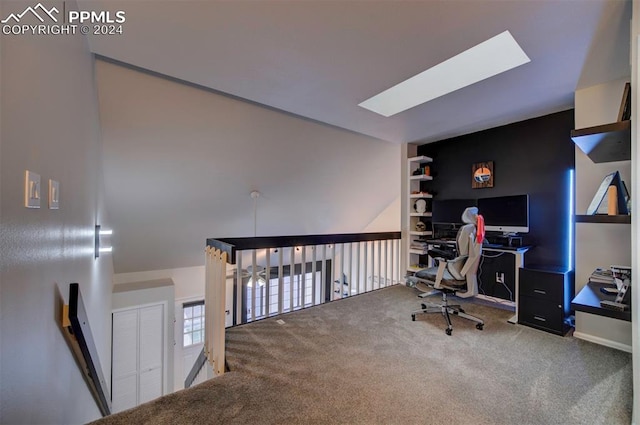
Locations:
(599, 245)
(389, 219)
(188, 281)
(181, 162)
(49, 124)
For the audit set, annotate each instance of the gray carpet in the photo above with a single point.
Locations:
(362, 360)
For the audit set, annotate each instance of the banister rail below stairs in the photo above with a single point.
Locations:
(201, 360)
(287, 273)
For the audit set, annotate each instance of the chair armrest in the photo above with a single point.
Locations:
(441, 254)
(458, 259)
(456, 267)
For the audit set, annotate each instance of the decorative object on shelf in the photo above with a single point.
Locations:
(420, 226)
(423, 170)
(420, 206)
(612, 200)
(622, 278)
(482, 175)
(609, 201)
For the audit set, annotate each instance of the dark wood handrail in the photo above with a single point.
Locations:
(231, 245)
(76, 324)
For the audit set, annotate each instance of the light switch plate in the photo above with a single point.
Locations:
(54, 194)
(32, 193)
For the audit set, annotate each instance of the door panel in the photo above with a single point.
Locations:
(150, 384)
(124, 393)
(151, 337)
(125, 343)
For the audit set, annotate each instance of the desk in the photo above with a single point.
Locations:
(588, 301)
(518, 255)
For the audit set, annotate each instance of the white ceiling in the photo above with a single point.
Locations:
(180, 162)
(319, 59)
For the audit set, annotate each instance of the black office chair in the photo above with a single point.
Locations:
(455, 275)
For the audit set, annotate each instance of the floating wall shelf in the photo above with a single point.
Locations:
(605, 143)
(602, 218)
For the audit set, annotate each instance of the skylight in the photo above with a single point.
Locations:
(491, 57)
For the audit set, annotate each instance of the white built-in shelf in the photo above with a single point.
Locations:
(421, 159)
(421, 177)
(417, 164)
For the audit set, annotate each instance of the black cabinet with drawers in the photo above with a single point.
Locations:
(544, 300)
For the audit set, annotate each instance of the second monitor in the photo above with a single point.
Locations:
(449, 211)
(506, 214)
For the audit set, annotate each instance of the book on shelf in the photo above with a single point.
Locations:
(601, 275)
(625, 106)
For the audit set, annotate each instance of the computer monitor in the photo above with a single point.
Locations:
(506, 214)
(449, 211)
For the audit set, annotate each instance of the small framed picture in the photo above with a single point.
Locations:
(482, 175)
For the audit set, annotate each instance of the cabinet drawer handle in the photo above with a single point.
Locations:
(540, 291)
(542, 319)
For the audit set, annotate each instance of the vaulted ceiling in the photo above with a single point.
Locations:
(202, 102)
(319, 59)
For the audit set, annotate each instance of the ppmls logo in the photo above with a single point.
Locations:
(33, 11)
(40, 20)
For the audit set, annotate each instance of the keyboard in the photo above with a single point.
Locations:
(492, 245)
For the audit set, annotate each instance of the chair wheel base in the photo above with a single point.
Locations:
(479, 326)
(413, 317)
(448, 331)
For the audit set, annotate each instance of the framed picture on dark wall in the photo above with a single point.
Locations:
(482, 175)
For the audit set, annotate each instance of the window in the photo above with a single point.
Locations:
(193, 323)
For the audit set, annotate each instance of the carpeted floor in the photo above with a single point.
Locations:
(362, 360)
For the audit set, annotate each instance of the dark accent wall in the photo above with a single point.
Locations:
(530, 157)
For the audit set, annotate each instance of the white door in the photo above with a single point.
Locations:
(137, 354)
(124, 384)
(151, 343)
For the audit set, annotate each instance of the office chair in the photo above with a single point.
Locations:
(455, 275)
